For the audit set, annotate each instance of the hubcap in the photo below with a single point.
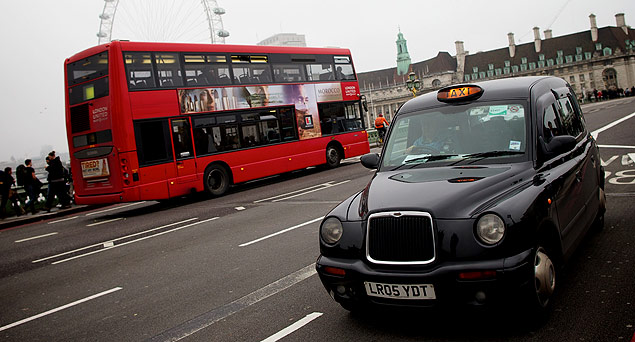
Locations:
(214, 180)
(545, 277)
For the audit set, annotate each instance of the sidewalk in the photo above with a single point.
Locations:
(42, 215)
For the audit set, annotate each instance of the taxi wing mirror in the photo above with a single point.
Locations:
(557, 145)
(370, 160)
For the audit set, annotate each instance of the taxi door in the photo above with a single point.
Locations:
(184, 160)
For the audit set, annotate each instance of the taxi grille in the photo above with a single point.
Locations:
(402, 239)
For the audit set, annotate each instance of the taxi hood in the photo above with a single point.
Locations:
(457, 192)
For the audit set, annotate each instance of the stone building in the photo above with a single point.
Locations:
(600, 58)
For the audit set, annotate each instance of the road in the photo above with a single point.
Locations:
(241, 268)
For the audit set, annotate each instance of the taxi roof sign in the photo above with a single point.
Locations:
(459, 93)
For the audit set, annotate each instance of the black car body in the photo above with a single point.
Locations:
(488, 212)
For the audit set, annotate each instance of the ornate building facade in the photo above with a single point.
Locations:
(597, 59)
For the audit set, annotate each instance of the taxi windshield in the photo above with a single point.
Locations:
(456, 133)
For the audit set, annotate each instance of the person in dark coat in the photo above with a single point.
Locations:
(56, 182)
(32, 186)
(8, 194)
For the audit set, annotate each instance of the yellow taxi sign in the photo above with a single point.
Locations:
(459, 93)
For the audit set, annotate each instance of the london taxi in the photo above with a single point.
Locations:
(481, 193)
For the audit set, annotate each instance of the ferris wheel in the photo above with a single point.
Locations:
(162, 20)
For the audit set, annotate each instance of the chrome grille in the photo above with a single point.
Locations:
(405, 238)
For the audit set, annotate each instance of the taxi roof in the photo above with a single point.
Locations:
(506, 88)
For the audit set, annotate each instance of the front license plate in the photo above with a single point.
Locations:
(400, 291)
(95, 168)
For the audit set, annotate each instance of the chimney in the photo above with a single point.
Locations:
(512, 45)
(460, 57)
(621, 22)
(548, 34)
(594, 28)
(537, 41)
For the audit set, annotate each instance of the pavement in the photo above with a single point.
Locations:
(14, 221)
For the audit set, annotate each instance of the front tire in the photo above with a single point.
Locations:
(541, 286)
(333, 156)
(216, 180)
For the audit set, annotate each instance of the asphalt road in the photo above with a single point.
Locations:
(241, 268)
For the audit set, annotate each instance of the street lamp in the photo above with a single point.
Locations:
(413, 83)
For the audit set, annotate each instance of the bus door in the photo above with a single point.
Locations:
(184, 160)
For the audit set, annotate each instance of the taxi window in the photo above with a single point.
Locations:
(456, 132)
(550, 124)
(571, 118)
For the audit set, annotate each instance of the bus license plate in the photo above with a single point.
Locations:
(95, 168)
(400, 291)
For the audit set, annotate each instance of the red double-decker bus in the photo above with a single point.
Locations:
(149, 121)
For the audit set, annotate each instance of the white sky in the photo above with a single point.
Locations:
(38, 35)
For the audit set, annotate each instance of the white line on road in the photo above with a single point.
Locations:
(320, 186)
(616, 122)
(326, 186)
(132, 241)
(35, 237)
(205, 320)
(615, 146)
(62, 220)
(293, 327)
(115, 208)
(103, 222)
(281, 232)
(60, 308)
(121, 238)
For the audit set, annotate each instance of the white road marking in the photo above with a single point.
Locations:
(240, 208)
(301, 192)
(207, 319)
(115, 208)
(615, 146)
(62, 220)
(293, 327)
(327, 185)
(103, 222)
(35, 237)
(281, 232)
(60, 308)
(121, 238)
(132, 241)
(614, 123)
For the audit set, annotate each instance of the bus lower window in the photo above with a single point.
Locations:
(153, 142)
(339, 117)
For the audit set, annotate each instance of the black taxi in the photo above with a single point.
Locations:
(481, 192)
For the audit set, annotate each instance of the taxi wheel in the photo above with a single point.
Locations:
(333, 156)
(216, 180)
(544, 282)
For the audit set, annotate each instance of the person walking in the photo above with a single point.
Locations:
(56, 182)
(32, 186)
(8, 194)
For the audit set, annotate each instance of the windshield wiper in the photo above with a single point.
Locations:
(488, 154)
(416, 161)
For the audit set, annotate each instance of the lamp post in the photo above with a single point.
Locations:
(413, 83)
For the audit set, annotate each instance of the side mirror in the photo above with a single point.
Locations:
(364, 103)
(557, 145)
(370, 160)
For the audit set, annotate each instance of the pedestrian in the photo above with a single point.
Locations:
(8, 194)
(56, 182)
(32, 186)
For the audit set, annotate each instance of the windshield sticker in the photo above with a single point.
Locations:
(498, 110)
(514, 145)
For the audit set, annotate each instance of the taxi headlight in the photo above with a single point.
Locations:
(490, 229)
(331, 230)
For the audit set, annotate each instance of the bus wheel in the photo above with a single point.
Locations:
(333, 156)
(216, 180)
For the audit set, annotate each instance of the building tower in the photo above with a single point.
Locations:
(403, 57)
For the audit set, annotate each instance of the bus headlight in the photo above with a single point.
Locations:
(490, 229)
(331, 230)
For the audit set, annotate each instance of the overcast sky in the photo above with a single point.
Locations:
(39, 35)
